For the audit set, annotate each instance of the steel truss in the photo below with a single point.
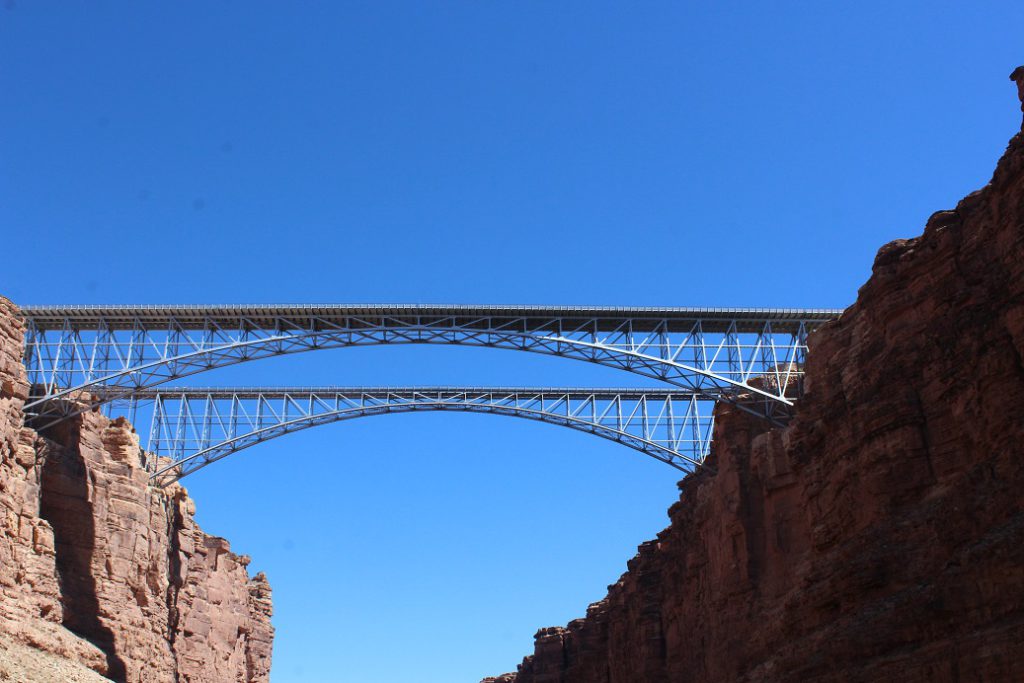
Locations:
(192, 428)
(753, 357)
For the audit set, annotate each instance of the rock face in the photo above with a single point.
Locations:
(880, 536)
(101, 569)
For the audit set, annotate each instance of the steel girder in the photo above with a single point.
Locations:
(192, 428)
(752, 357)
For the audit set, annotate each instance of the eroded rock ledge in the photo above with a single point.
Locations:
(105, 572)
(881, 535)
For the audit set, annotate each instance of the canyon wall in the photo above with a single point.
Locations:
(880, 536)
(105, 572)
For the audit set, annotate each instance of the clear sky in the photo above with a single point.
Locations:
(684, 154)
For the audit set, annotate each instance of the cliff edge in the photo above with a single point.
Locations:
(102, 574)
(880, 536)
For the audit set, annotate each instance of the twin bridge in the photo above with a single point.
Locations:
(80, 358)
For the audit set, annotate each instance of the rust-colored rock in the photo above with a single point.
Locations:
(101, 569)
(878, 537)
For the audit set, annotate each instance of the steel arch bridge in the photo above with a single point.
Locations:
(192, 428)
(751, 357)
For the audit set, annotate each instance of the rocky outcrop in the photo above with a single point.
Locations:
(880, 536)
(101, 569)
(30, 595)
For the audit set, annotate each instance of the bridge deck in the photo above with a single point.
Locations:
(606, 317)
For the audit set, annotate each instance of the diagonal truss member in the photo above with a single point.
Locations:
(191, 428)
(752, 357)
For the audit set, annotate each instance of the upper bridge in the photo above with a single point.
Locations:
(193, 427)
(752, 357)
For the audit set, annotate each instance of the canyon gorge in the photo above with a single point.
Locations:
(878, 536)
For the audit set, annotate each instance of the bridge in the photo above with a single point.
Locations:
(81, 357)
(191, 428)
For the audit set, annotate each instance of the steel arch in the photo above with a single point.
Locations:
(756, 354)
(192, 428)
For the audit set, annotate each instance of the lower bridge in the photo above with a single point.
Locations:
(194, 427)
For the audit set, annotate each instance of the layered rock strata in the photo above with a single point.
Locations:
(101, 569)
(880, 536)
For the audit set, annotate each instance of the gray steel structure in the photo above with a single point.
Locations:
(752, 357)
(195, 427)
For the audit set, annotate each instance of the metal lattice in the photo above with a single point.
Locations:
(192, 428)
(753, 357)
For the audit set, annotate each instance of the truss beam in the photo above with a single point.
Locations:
(192, 428)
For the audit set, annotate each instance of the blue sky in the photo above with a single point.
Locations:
(686, 154)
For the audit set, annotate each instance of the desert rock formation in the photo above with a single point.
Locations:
(104, 572)
(880, 536)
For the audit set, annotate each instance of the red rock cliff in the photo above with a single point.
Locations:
(880, 536)
(103, 570)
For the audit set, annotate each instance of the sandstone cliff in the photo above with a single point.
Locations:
(105, 572)
(880, 536)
